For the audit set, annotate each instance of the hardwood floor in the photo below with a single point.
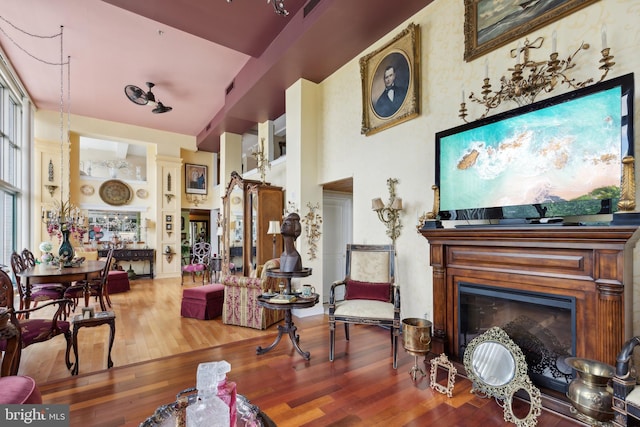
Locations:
(156, 355)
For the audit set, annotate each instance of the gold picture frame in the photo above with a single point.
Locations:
(398, 60)
(442, 362)
(485, 29)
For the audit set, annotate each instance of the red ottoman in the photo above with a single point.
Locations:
(202, 302)
(118, 281)
(18, 390)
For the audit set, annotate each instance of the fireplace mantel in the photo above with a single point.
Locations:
(593, 264)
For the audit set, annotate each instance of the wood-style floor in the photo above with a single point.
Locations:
(156, 355)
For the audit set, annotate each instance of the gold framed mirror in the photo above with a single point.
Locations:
(493, 361)
(523, 412)
(442, 363)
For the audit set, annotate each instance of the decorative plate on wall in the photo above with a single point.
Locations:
(142, 193)
(87, 190)
(115, 192)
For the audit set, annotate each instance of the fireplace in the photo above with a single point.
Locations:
(586, 270)
(542, 325)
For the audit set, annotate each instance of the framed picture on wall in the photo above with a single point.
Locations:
(390, 82)
(195, 178)
(487, 27)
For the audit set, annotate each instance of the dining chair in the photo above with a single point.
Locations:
(96, 287)
(40, 292)
(370, 295)
(198, 262)
(34, 330)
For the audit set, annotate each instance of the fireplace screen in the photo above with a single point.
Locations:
(542, 325)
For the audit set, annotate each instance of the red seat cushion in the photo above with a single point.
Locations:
(19, 390)
(192, 268)
(371, 291)
(36, 330)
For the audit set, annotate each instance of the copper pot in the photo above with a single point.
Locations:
(416, 335)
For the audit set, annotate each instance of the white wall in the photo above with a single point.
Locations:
(407, 152)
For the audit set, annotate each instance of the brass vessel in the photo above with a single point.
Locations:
(416, 339)
(590, 392)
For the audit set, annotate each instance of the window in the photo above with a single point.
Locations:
(11, 141)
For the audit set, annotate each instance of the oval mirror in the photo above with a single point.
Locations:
(493, 363)
(523, 412)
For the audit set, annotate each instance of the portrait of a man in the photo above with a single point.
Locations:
(395, 75)
(390, 82)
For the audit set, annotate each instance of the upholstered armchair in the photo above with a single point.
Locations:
(370, 294)
(241, 298)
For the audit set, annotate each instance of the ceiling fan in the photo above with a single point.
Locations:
(140, 97)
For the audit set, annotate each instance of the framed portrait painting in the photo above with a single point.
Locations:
(390, 82)
(195, 178)
(489, 24)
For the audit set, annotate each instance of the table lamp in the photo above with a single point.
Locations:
(274, 229)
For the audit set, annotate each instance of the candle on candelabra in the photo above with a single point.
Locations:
(518, 50)
(603, 35)
(486, 68)
(462, 101)
(554, 41)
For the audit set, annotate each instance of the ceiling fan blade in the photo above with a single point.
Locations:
(136, 95)
(161, 108)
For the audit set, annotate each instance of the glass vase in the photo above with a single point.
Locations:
(66, 251)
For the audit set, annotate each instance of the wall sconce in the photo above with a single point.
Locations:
(390, 214)
(543, 76)
(196, 199)
(312, 221)
(168, 253)
(51, 189)
(261, 160)
(274, 230)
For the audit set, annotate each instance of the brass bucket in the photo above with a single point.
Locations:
(416, 335)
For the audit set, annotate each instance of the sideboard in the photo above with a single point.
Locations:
(133, 255)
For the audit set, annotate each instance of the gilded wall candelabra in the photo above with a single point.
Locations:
(312, 221)
(262, 160)
(529, 77)
(390, 214)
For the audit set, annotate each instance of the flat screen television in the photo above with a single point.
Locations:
(560, 157)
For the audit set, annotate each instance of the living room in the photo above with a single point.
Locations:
(325, 143)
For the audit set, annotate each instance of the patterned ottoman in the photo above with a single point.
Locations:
(202, 302)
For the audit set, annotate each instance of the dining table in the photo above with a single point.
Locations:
(48, 273)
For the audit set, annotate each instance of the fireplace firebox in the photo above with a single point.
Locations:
(542, 325)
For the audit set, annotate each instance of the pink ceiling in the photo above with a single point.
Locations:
(192, 50)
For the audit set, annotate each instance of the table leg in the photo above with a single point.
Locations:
(9, 359)
(74, 343)
(112, 334)
(290, 329)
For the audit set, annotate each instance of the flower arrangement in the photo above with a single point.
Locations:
(65, 218)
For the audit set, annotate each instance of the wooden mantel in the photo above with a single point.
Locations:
(593, 264)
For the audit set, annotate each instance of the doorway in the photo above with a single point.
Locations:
(338, 231)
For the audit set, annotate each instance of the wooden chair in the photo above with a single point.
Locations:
(95, 287)
(34, 330)
(371, 297)
(198, 262)
(43, 292)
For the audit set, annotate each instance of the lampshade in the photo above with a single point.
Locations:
(397, 204)
(377, 204)
(219, 233)
(274, 227)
